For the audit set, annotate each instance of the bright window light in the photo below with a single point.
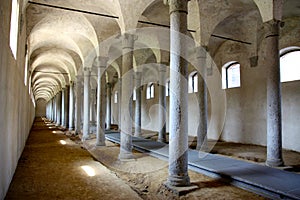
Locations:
(290, 66)
(116, 97)
(231, 75)
(150, 91)
(134, 94)
(14, 26)
(26, 70)
(193, 82)
(88, 170)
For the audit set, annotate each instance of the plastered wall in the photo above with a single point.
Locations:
(16, 107)
(40, 109)
(243, 118)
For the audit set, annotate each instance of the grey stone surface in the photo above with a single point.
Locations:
(264, 180)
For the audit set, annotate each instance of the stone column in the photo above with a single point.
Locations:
(100, 134)
(162, 102)
(66, 107)
(108, 106)
(58, 108)
(92, 107)
(138, 105)
(71, 107)
(54, 108)
(126, 98)
(178, 146)
(274, 126)
(202, 99)
(62, 106)
(86, 103)
(78, 105)
(119, 102)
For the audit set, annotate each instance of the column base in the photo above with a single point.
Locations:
(202, 148)
(275, 163)
(126, 156)
(100, 144)
(178, 181)
(163, 140)
(85, 137)
(179, 191)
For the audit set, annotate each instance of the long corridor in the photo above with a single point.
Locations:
(54, 167)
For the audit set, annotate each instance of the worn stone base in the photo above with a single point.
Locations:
(126, 157)
(179, 191)
(275, 163)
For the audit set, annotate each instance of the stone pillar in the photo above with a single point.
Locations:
(138, 105)
(162, 103)
(126, 98)
(92, 106)
(58, 108)
(119, 102)
(178, 146)
(274, 126)
(100, 134)
(71, 107)
(108, 106)
(86, 103)
(62, 119)
(202, 99)
(65, 107)
(78, 105)
(54, 108)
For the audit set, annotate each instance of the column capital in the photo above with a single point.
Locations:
(201, 52)
(138, 75)
(128, 40)
(101, 61)
(79, 79)
(163, 67)
(108, 84)
(87, 69)
(271, 28)
(177, 5)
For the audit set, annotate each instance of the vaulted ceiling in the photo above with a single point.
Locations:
(64, 36)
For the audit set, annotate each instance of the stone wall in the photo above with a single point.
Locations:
(16, 107)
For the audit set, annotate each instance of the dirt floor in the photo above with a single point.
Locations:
(51, 170)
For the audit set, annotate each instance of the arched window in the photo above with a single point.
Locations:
(150, 91)
(231, 75)
(116, 97)
(290, 64)
(193, 82)
(14, 26)
(134, 94)
(168, 87)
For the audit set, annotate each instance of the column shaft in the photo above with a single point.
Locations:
(162, 103)
(66, 107)
(71, 107)
(138, 105)
(93, 107)
(202, 100)
(86, 104)
(58, 108)
(178, 146)
(78, 106)
(126, 98)
(119, 102)
(274, 126)
(108, 106)
(100, 135)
